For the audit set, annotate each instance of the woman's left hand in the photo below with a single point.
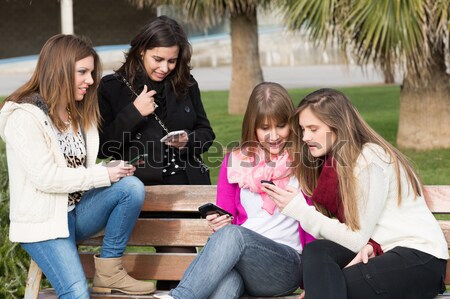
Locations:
(178, 141)
(216, 222)
(279, 196)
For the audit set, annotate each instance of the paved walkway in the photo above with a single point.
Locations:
(219, 78)
(293, 77)
(16, 71)
(285, 57)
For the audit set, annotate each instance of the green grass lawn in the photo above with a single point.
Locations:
(379, 105)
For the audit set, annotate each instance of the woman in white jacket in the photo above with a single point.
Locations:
(379, 239)
(58, 194)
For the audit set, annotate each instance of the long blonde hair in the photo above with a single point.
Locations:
(54, 79)
(268, 101)
(352, 133)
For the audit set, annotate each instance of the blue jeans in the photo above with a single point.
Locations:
(236, 260)
(116, 207)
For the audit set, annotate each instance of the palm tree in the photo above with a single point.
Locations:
(246, 70)
(245, 65)
(412, 34)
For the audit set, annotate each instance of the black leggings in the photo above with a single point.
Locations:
(399, 273)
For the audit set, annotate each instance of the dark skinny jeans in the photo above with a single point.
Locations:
(399, 273)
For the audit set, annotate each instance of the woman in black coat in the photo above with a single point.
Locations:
(151, 94)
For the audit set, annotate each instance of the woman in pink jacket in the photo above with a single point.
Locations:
(257, 251)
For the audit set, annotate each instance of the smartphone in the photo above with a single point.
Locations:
(267, 182)
(136, 159)
(210, 208)
(172, 135)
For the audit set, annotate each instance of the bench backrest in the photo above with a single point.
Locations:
(438, 200)
(153, 229)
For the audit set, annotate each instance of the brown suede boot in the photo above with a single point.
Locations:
(111, 276)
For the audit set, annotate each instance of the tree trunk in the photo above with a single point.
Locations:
(425, 107)
(246, 70)
(388, 74)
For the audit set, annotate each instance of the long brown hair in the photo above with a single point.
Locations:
(160, 32)
(352, 133)
(54, 79)
(268, 101)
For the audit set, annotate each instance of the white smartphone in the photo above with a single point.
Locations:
(172, 135)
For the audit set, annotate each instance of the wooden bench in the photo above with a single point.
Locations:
(183, 229)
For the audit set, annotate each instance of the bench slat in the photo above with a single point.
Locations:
(164, 266)
(447, 275)
(445, 226)
(48, 294)
(438, 199)
(179, 198)
(165, 232)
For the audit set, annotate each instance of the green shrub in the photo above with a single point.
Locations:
(14, 260)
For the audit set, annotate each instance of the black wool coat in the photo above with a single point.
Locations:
(125, 133)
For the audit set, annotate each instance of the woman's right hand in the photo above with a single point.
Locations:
(145, 102)
(216, 222)
(117, 169)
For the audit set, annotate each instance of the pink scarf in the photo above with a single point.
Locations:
(248, 172)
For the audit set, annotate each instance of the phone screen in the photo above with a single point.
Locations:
(172, 135)
(267, 182)
(209, 208)
(136, 159)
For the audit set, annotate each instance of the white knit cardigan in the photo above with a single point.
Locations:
(39, 179)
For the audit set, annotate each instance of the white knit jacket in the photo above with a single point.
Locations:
(39, 179)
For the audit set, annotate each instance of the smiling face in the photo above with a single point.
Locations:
(318, 136)
(159, 62)
(272, 136)
(84, 69)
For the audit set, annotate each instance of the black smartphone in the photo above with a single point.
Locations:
(267, 182)
(210, 208)
(136, 159)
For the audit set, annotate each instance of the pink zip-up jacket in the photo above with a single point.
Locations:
(228, 198)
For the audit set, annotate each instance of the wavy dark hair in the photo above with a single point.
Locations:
(160, 32)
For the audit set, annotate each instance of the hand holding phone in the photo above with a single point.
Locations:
(138, 158)
(210, 208)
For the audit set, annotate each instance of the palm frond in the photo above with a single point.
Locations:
(317, 17)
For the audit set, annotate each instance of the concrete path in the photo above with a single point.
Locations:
(288, 64)
(15, 73)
